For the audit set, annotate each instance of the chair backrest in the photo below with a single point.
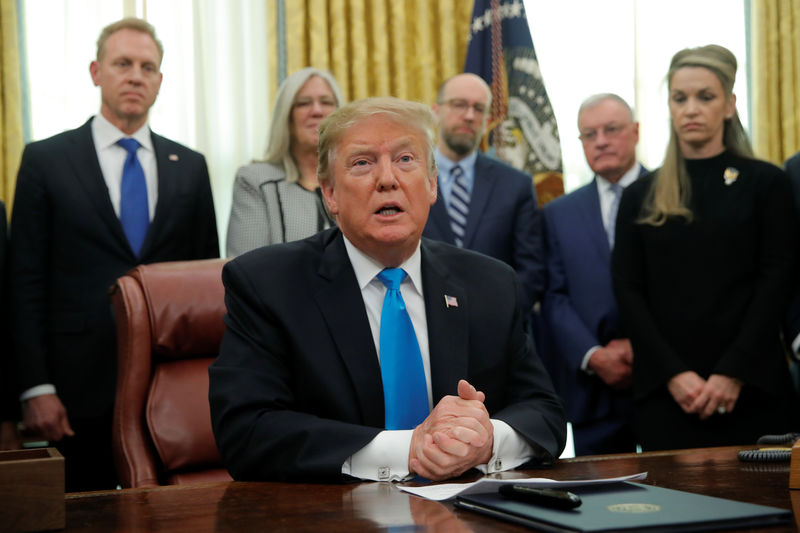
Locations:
(169, 328)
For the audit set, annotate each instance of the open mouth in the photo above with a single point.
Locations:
(389, 210)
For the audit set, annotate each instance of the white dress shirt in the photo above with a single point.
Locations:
(385, 458)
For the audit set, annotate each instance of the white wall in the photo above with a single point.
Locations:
(624, 46)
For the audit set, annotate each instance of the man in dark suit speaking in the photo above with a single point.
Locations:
(484, 204)
(90, 204)
(369, 352)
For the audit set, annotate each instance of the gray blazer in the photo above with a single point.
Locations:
(267, 209)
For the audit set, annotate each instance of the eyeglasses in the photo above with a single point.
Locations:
(609, 130)
(461, 106)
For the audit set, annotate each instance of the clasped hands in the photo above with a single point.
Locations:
(695, 395)
(456, 436)
(613, 363)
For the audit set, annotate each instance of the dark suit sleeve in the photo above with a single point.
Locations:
(533, 408)
(792, 320)
(262, 429)
(30, 241)
(776, 256)
(528, 253)
(9, 407)
(570, 335)
(207, 244)
(628, 266)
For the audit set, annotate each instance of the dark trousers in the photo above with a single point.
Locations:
(604, 436)
(88, 458)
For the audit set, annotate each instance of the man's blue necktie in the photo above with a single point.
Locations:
(404, 390)
(133, 210)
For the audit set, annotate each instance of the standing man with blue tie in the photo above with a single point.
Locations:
(91, 204)
(591, 357)
(484, 204)
(367, 351)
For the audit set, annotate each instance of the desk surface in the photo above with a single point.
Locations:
(367, 507)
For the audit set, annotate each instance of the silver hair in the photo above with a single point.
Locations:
(279, 146)
(597, 99)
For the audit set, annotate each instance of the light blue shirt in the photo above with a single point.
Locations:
(446, 179)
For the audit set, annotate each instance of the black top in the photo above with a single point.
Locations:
(708, 295)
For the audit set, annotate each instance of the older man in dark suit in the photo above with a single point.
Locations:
(365, 351)
(591, 357)
(90, 204)
(484, 204)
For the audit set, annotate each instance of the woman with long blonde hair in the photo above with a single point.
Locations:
(703, 265)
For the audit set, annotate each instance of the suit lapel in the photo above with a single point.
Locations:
(439, 217)
(342, 307)
(448, 340)
(482, 189)
(168, 166)
(82, 156)
(589, 207)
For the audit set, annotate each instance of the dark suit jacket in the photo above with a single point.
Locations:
(792, 322)
(68, 247)
(9, 407)
(579, 307)
(297, 389)
(503, 222)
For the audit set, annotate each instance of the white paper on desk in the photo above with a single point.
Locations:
(451, 490)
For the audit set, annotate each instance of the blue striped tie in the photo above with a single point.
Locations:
(458, 208)
(405, 394)
(133, 210)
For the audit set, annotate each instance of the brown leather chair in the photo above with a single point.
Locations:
(169, 327)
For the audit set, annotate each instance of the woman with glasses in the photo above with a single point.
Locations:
(703, 264)
(278, 199)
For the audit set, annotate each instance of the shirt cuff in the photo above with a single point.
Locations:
(38, 390)
(509, 449)
(385, 458)
(585, 361)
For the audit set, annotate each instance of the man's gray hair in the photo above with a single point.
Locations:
(597, 99)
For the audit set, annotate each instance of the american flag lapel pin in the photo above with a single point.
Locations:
(173, 157)
(450, 301)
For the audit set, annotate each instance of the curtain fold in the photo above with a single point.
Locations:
(12, 133)
(775, 50)
(379, 47)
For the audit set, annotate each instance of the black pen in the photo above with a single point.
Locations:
(553, 498)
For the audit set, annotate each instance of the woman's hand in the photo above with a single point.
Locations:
(718, 396)
(686, 387)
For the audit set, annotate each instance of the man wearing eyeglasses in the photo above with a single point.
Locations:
(591, 366)
(484, 204)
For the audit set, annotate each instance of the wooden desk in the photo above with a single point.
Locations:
(368, 507)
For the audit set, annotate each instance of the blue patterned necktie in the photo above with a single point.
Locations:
(405, 393)
(458, 207)
(616, 188)
(134, 213)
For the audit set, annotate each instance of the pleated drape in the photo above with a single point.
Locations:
(377, 47)
(775, 50)
(12, 136)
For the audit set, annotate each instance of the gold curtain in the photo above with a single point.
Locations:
(775, 53)
(11, 133)
(402, 48)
